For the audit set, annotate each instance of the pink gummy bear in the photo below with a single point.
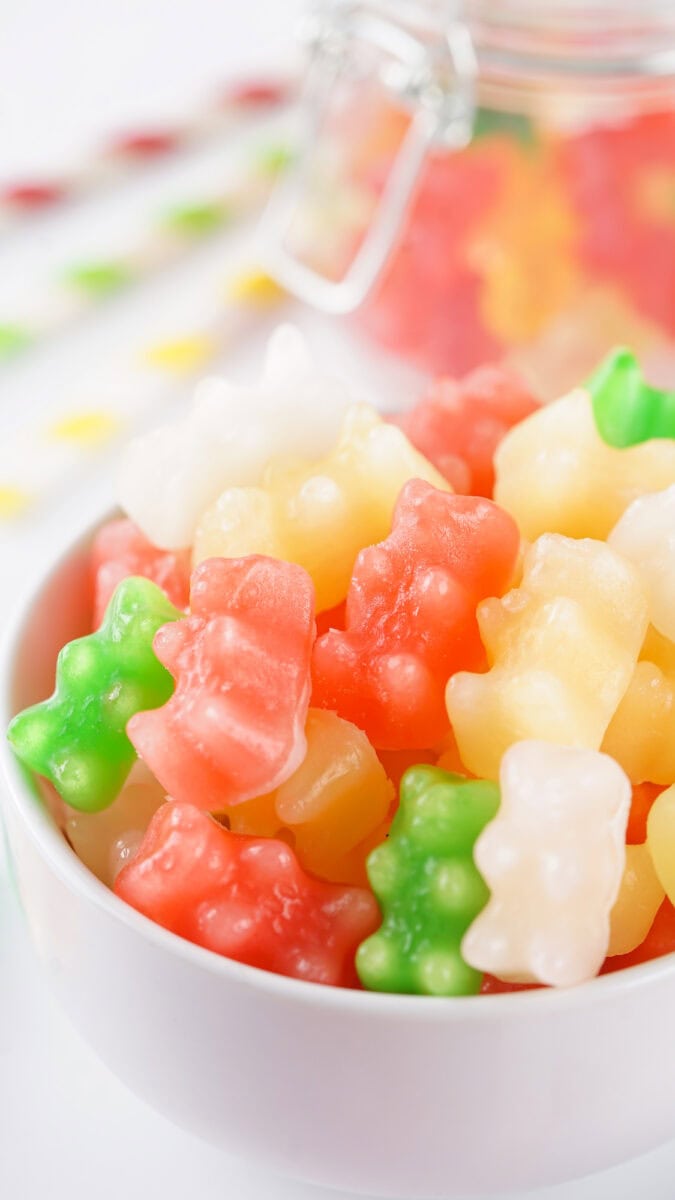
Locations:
(234, 727)
(121, 550)
(246, 898)
(459, 425)
(411, 616)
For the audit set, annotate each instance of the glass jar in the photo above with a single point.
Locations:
(506, 182)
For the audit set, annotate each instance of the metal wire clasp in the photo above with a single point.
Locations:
(433, 77)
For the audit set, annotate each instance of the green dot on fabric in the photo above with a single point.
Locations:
(99, 278)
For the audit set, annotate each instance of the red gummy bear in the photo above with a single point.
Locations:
(234, 727)
(459, 425)
(644, 795)
(246, 898)
(411, 616)
(620, 180)
(427, 305)
(121, 550)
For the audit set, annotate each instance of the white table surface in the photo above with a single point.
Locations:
(68, 74)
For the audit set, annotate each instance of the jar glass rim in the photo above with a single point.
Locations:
(601, 37)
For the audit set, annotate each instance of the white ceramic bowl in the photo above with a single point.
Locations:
(392, 1095)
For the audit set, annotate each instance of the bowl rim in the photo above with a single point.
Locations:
(64, 863)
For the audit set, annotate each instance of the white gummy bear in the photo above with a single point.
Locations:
(171, 475)
(553, 858)
(645, 535)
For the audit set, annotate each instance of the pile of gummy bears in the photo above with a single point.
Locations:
(541, 239)
(385, 703)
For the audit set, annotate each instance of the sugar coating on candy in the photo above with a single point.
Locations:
(553, 859)
(410, 618)
(77, 738)
(645, 534)
(234, 727)
(641, 734)
(337, 797)
(106, 841)
(428, 886)
(245, 898)
(119, 550)
(639, 899)
(459, 425)
(661, 839)
(172, 474)
(554, 473)
(626, 408)
(320, 514)
(562, 646)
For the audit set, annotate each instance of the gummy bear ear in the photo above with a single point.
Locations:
(287, 357)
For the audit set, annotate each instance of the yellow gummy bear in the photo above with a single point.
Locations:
(333, 809)
(641, 735)
(640, 897)
(659, 650)
(562, 649)
(105, 841)
(554, 473)
(525, 251)
(320, 515)
(661, 839)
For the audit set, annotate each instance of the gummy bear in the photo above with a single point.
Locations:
(77, 738)
(106, 841)
(619, 176)
(245, 898)
(234, 727)
(320, 514)
(554, 473)
(659, 940)
(639, 899)
(628, 410)
(119, 550)
(553, 859)
(525, 250)
(645, 535)
(337, 797)
(641, 734)
(459, 425)
(562, 646)
(170, 475)
(661, 839)
(428, 275)
(411, 615)
(428, 886)
(644, 795)
(397, 762)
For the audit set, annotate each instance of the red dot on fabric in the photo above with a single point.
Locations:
(32, 195)
(257, 92)
(145, 144)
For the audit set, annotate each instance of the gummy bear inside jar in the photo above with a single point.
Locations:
(550, 236)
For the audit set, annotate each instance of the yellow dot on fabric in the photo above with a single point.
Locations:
(86, 429)
(13, 501)
(182, 355)
(255, 288)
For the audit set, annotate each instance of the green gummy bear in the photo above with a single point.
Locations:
(627, 410)
(77, 738)
(428, 886)
(489, 122)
